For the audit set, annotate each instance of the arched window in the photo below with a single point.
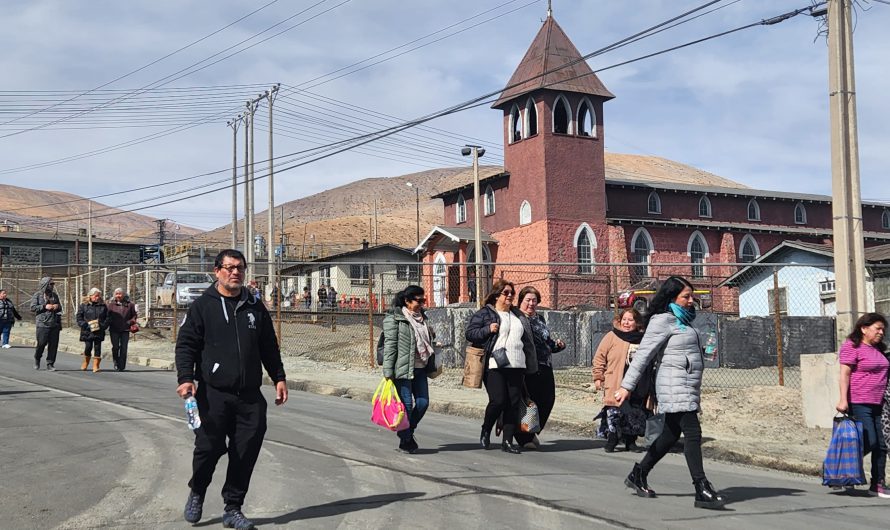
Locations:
(531, 116)
(515, 125)
(461, 210)
(753, 210)
(525, 213)
(586, 120)
(800, 214)
(561, 116)
(748, 250)
(585, 243)
(698, 251)
(885, 220)
(704, 206)
(640, 248)
(654, 203)
(489, 201)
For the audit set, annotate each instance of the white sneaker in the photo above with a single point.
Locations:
(7, 346)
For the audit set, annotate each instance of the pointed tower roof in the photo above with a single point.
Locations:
(550, 50)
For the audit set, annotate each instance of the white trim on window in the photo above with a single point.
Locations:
(460, 210)
(748, 240)
(489, 201)
(531, 118)
(580, 120)
(800, 214)
(656, 201)
(704, 207)
(885, 220)
(525, 213)
(753, 210)
(562, 100)
(586, 257)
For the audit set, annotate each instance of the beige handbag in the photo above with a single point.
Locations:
(94, 325)
(474, 367)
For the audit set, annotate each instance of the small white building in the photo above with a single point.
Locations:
(806, 284)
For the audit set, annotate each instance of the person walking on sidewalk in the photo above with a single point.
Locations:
(8, 316)
(408, 357)
(613, 356)
(672, 342)
(121, 317)
(225, 341)
(505, 334)
(46, 305)
(541, 386)
(92, 317)
(863, 381)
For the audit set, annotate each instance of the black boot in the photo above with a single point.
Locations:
(508, 446)
(706, 496)
(637, 482)
(630, 444)
(611, 442)
(485, 438)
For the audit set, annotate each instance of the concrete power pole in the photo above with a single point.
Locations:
(270, 95)
(234, 125)
(846, 205)
(246, 117)
(90, 237)
(249, 236)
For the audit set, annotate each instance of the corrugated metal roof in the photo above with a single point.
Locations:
(68, 238)
(540, 67)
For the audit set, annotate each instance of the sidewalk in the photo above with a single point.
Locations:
(760, 426)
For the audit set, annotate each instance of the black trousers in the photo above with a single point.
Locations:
(119, 343)
(47, 338)
(504, 387)
(242, 420)
(674, 423)
(94, 346)
(542, 390)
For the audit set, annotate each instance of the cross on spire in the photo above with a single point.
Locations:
(549, 8)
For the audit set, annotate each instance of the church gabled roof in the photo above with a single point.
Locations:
(540, 68)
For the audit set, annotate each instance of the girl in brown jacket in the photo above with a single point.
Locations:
(612, 358)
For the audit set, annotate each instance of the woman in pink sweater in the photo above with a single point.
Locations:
(863, 379)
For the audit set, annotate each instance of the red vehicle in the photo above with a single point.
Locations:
(640, 294)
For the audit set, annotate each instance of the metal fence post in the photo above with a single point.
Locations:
(372, 357)
(778, 323)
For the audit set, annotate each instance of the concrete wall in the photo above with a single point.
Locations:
(751, 342)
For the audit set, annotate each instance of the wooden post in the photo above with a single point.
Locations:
(778, 324)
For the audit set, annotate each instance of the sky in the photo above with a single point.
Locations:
(103, 97)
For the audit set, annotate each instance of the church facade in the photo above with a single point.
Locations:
(560, 200)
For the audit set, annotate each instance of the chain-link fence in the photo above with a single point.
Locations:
(756, 320)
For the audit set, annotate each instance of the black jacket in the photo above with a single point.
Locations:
(226, 345)
(46, 319)
(479, 334)
(89, 311)
(8, 312)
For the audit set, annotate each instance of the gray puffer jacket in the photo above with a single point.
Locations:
(45, 318)
(678, 381)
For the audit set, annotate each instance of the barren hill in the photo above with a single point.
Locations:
(48, 211)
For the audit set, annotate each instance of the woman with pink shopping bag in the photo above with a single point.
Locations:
(409, 359)
(387, 410)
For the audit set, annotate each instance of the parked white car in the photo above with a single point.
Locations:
(189, 286)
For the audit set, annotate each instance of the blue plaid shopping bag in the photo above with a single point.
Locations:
(843, 461)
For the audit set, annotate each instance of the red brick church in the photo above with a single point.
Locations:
(561, 199)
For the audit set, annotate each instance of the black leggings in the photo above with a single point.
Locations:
(504, 387)
(674, 422)
(95, 346)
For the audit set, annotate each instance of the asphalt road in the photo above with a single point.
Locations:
(111, 450)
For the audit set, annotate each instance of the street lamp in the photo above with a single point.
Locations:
(417, 204)
(476, 151)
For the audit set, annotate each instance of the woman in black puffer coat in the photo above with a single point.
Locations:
(92, 317)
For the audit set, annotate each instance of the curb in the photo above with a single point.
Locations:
(148, 362)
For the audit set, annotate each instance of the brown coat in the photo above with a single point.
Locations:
(609, 364)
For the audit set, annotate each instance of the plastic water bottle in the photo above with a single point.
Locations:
(191, 412)
(710, 353)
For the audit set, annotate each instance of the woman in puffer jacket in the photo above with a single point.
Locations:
(408, 357)
(505, 334)
(672, 343)
(92, 317)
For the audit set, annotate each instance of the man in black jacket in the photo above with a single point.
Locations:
(225, 341)
(46, 305)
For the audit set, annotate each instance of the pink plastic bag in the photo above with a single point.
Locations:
(387, 410)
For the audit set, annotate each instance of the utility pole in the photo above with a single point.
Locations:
(846, 205)
(247, 232)
(248, 240)
(90, 237)
(476, 151)
(270, 95)
(234, 125)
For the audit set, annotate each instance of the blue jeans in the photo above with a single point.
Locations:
(5, 328)
(415, 394)
(872, 439)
